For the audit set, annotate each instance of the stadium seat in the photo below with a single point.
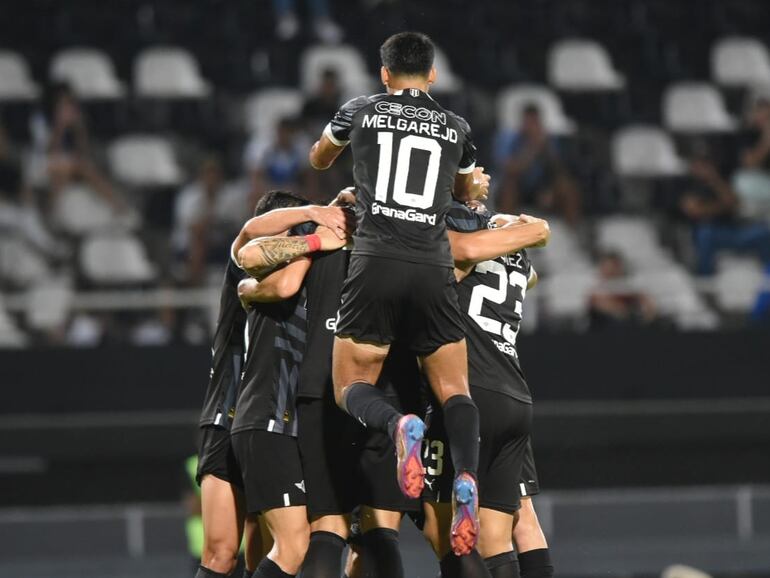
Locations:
(738, 61)
(15, 80)
(144, 161)
(446, 79)
(582, 65)
(737, 282)
(645, 151)
(635, 238)
(20, 265)
(10, 334)
(345, 60)
(512, 100)
(48, 304)
(563, 252)
(89, 72)
(695, 107)
(565, 293)
(115, 259)
(79, 211)
(264, 109)
(168, 72)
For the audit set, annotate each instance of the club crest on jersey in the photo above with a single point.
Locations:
(403, 214)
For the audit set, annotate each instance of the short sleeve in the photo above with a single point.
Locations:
(462, 219)
(338, 130)
(468, 159)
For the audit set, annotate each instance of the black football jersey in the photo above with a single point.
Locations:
(491, 298)
(323, 285)
(275, 346)
(227, 353)
(407, 151)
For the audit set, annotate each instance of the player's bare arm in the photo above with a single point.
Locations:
(277, 286)
(324, 152)
(473, 186)
(259, 256)
(468, 249)
(279, 220)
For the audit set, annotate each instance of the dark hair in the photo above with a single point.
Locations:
(530, 108)
(279, 200)
(408, 53)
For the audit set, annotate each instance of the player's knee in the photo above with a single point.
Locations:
(220, 555)
(290, 550)
(493, 543)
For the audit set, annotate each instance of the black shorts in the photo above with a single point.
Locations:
(327, 439)
(385, 299)
(216, 456)
(272, 472)
(529, 484)
(505, 429)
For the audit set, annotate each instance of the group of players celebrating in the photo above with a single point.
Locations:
(372, 336)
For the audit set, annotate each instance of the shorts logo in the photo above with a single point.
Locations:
(301, 486)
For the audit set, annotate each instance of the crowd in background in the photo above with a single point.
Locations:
(722, 203)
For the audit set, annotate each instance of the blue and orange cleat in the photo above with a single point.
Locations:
(409, 470)
(465, 514)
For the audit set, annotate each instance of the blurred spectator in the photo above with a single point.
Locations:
(615, 302)
(322, 106)
(287, 24)
(533, 171)
(713, 207)
(60, 133)
(281, 163)
(752, 181)
(207, 216)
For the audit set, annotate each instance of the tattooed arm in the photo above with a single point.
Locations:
(277, 286)
(260, 256)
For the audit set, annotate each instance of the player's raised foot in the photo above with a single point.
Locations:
(408, 439)
(465, 514)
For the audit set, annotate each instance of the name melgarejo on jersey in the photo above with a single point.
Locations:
(415, 119)
(403, 214)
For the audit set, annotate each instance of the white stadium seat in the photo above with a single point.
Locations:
(48, 304)
(20, 264)
(645, 151)
(89, 72)
(264, 109)
(582, 65)
(513, 99)
(635, 238)
(10, 335)
(15, 80)
(79, 210)
(737, 282)
(168, 72)
(144, 160)
(696, 107)
(115, 259)
(739, 61)
(446, 79)
(345, 60)
(565, 293)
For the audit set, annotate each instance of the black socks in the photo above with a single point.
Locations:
(380, 555)
(503, 565)
(470, 566)
(269, 569)
(371, 407)
(461, 421)
(324, 556)
(536, 564)
(204, 572)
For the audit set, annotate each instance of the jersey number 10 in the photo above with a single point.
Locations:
(407, 144)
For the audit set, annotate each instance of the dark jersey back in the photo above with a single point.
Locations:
(276, 336)
(227, 353)
(407, 151)
(323, 285)
(491, 297)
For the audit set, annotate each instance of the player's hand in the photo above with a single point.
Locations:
(329, 240)
(480, 186)
(346, 197)
(334, 218)
(546, 232)
(245, 290)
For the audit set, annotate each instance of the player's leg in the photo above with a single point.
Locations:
(356, 368)
(378, 551)
(257, 543)
(447, 372)
(438, 520)
(291, 535)
(328, 536)
(223, 514)
(534, 555)
(495, 543)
